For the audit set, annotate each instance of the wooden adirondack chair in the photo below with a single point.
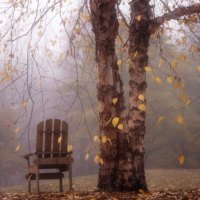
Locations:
(51, 153)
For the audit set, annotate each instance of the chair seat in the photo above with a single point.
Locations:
(45, 176)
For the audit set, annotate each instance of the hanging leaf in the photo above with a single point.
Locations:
(119, 62)
(170, 79)
(17, 148)
(96, 159)
(141, 97)
(142, 107)
(25, 104)
(185, 99)
(160, 119)
(96, 138)
(115, 121)
(17, 130)
(181, 159)
(69, 148)
(180, 119)
(160, 63)
(182, 57)
(174, 64)
(104, 139)
(193, 48)
(115, 100)
(85, 17)
(60, 139)
(139, 17)
(198, 68)
(135, 54)
(157, 79)
(101, 161)
(87, 155)
(120, 127)
(5, 76)
(148, 68)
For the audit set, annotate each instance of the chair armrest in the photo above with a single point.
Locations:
(26, 156)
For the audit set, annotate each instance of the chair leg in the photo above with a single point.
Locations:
(29, 185)
(70, 176)
(37, 180)
(60, 185)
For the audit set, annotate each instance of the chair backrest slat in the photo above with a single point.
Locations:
(64, 136)
(56, 132)
(48, 134)
(39, 142)
(48, 137)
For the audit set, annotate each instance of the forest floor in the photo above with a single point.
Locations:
(163, 185)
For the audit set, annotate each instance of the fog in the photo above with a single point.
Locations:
(47, 71)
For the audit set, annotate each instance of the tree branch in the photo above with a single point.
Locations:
(175, 14)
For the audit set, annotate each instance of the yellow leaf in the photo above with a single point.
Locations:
(25, 103)
(77, 30)
(96, 138)
(148, 68)
(198, 68)
(17, 130)
(60, 139)
(17, 148)
(115, 121)
(193, 48)
(174, 64)
(157, 79)
(104, 139)
(69, 148)
(182, 57)
(170, 79)
(53, 42)
(120, 127)
(160, 119)
(187, 103)
(141, 97)
(96, 159)
(135, 54)
(101, 161)
(142, 107)
(5, 76)
(161, 61)
(87, 155)
(139, 17)
(181, 159)
(180, 119)
(185, 99)
(119, 62)
(85, 17)
(115, 100)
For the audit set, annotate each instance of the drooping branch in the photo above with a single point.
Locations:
(175, 14)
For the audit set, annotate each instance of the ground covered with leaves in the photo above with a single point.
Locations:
(163, 185)
(94, 195)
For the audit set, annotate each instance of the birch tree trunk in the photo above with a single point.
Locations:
(109, 86)
(138, 48)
